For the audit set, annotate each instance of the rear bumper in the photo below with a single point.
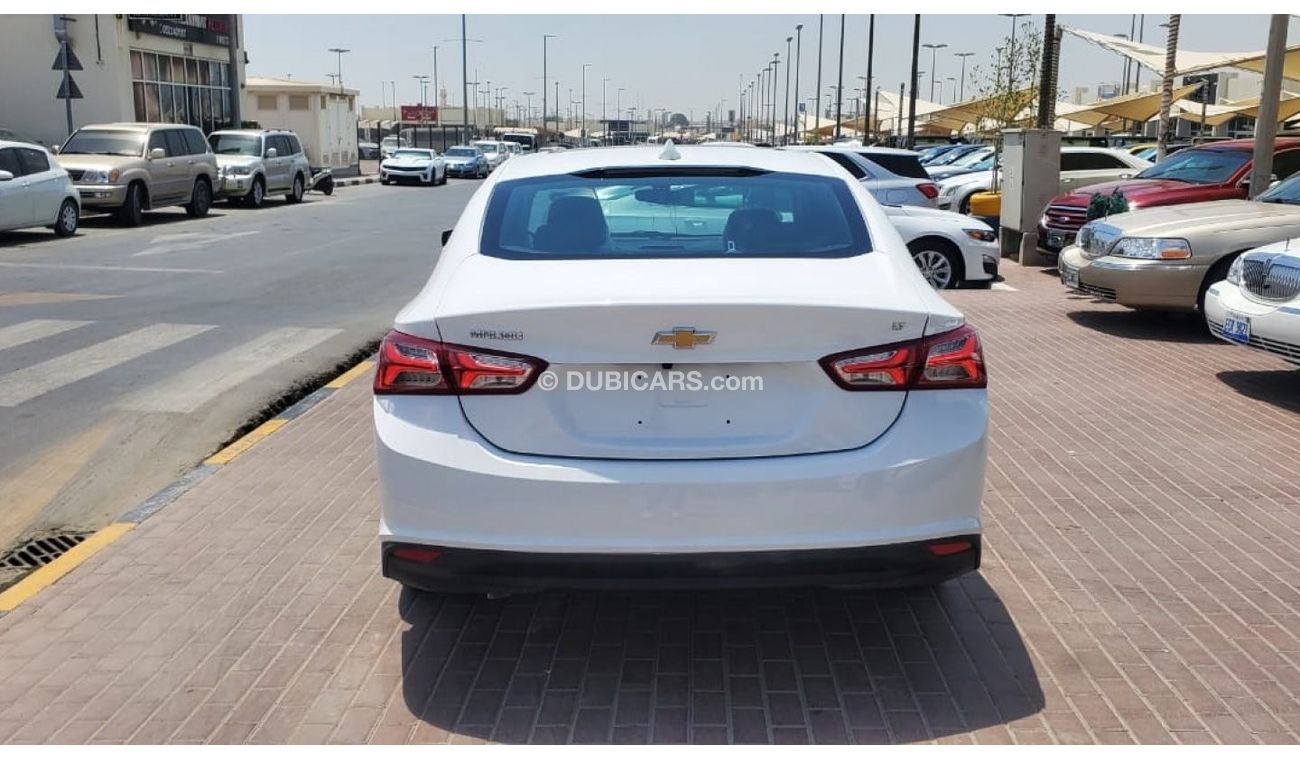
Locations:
(457, 570)
(443, 485)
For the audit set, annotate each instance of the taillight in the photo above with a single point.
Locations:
(411, 365)
(952, 359)
(928, 189)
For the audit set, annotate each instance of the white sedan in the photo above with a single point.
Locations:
(669, 401)
(35, 191)
(1259, 304)
(950, 249)
(419, 164)
(1080, 165)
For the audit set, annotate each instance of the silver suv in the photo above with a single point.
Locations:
(255, 162)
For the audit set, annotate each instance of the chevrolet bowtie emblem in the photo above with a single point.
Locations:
(682, 337)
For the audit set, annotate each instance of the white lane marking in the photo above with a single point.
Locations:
(188, 241)
(38, 379)
(35, 329)
(104, 268)
(1003, 286)
(200, 383)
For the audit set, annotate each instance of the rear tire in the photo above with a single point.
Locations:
(939, 262)
(131, 212)
(200, 199)
(69, 216)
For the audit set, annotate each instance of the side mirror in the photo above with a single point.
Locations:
(5, 176)
(446, 235)
(157, 153)
(272, 152)
(57, 147)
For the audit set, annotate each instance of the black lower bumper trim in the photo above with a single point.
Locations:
(459, 570)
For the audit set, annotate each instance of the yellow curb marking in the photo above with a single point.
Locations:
(49, 574)
(351, 374)
(247, 442)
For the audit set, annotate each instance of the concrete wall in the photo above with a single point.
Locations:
(28, 85)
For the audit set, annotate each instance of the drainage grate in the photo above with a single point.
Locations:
(39, 552)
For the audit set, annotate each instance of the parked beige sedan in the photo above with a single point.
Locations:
(1166, 257)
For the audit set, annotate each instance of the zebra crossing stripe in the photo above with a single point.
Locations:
(35, 329)
(38, 379)
(192, 388)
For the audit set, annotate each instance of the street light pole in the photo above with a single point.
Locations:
(604, 116)
(340, 52)
(464, 79)
(618, 104)
(839, 88)
(785, 110)
(821, 35)
(546, 37)
(916, 51)
(528, 109)
(583, 115)
(934, 65)
(963, 56)
(871, 55)
(798, 54)
(776, 78)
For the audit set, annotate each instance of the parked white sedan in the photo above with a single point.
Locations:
(949, 249)
(420, 164)
(661, 400)
(1259, 304)
(1080, 165)
(35, 191)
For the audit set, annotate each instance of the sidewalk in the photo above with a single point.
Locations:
(1143, 541)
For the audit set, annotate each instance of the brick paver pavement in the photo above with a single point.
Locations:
(1138, 586)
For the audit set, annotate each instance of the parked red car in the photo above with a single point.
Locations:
(1208, 172)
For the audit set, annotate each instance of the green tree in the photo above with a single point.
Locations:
(1008, 84)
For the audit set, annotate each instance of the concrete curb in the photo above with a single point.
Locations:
(353, 181)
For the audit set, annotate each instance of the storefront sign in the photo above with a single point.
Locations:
(213, 29)
(422, 114)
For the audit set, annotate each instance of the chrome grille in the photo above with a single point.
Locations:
(1065, 218)
(1096, 238)
(1271, 276)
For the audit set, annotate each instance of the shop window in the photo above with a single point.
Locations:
(150, 66)
(164, 68)
(192, 71)
(137, 92)
(267, 102)
(298, 103)
(137, 65)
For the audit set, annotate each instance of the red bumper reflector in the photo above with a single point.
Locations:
(948, 548)
(420, 554)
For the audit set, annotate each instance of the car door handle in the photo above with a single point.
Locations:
(171, 163)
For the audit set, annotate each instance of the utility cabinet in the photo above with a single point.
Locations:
(1031, 177)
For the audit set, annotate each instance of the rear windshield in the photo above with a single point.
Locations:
(656, 214)
(1198, 167)
(104, 142)
(462, 152)
(900, 164)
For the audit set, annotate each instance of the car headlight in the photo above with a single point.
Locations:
(239, 171)
(947, 191)
(1159, 249)
(982, 235)
(1234, 271)
(100, 176)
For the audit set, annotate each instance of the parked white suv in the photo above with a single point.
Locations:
(762, 389)
(255, 162)
(35, 191)
(893, 176)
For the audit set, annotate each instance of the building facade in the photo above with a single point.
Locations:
(168, 68)
(324, 116)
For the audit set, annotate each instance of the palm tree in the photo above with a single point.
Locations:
(1167, 86)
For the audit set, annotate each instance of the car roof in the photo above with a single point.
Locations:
(653, 156)
(1094, 149)
(137, 126)
(21, 144)
(854, 149)
(1248, 144)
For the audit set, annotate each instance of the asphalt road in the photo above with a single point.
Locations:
(129, 355)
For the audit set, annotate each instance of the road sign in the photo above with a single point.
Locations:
(68, 85)
(73, 63)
